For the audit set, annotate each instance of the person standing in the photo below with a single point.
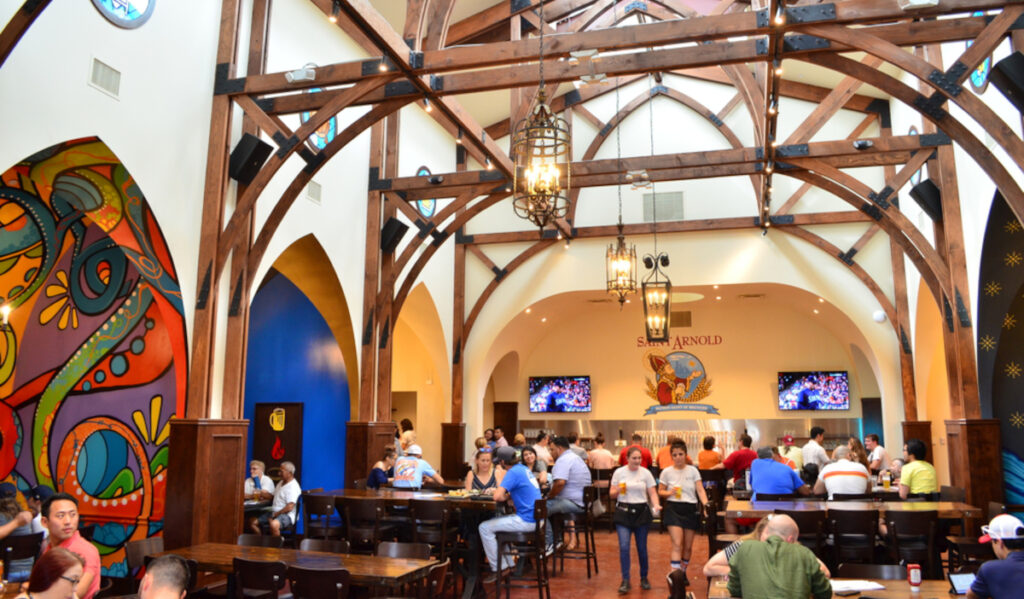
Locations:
(574, 445)
(499, 437)
(813, 452)
(522, 488)
(878, 457)
(680, 486)
(645, 454)
(791, 452)
(917, 476)
(600, 458)
(634, 488)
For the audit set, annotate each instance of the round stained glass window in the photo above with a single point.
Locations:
(916, 177)
(425, 207)
(979, 76)
(125, 13)
(325, 133)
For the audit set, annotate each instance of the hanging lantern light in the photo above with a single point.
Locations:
(620, 262)
(657, 294)
(541, 153)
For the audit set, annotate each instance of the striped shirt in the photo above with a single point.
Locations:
(845, 476)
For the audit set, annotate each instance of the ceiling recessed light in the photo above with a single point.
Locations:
(821, 301)
(528, 310)
(627, 301)
(815, 310)
(716, 286)
(545, 319)
(718, 297)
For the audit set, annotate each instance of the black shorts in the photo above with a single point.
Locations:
(681, 513)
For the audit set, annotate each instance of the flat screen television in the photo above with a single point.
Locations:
(559, 394)
(823, 390)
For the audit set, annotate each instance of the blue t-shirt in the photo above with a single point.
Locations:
(570, 468)
(376, 479)
(769, 476)
(1000, 578)
(523, 489)
(409, 472)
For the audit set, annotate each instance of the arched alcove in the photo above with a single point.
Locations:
(931, 380)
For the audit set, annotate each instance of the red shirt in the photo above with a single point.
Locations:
(645, 455)
(87, 550)
(740, 460)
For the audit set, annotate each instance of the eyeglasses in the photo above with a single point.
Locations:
(73, 581)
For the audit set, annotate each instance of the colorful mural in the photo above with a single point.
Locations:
(93, 360)
(679, 380)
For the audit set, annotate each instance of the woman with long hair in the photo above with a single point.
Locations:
(536, 466)
(55, 575)
(484, 476)
(382, 472)
(680, 486)
(638, 503)
(858, 453)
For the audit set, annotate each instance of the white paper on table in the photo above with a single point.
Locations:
(856, 585)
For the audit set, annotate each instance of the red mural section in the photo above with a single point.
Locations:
(93, 355)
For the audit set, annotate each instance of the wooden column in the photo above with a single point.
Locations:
(919, 429)
(975, 458)
(364, 446)
(205, 474)
(453, 447)
(371, 281)
(385, 298)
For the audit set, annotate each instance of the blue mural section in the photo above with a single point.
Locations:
(293, 357)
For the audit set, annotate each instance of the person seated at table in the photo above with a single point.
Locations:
(878, 457)
(535, 466)
(917, 476)
(408, 438)
(283, 509)
(1001, 577)
(739, 460)
(792, 452)
(55, 576)
(858, 453)
(770, 475)
(708, 458)
(778, 567)
(569, 475)
(258, 487)
(411, 468)
(14, 522)
(166, 578)
(718, 564)
(522, 488)
(382, 471)
(499, 438)
(600, 458)
(60, 516)
(843, 475)
(34, 499)
(484, 476)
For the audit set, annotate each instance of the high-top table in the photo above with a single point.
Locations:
(365, 569)
(948, 510)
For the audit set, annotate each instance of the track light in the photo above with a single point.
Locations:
(778, 67)
(335, 11)
(426, 104)
(383, 64)
(487, 163)
(780, 19)
(458, 137)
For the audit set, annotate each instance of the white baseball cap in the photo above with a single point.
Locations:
(1003, 526)
(414, 450)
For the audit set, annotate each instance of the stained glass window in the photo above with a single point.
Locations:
(916, 177)
(125, 13)
(325, 133)
(425, 207)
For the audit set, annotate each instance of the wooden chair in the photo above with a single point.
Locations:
(326, 545)
(435, 524)
(311, 583)
(912, 539)
(584, 525)
(853, 535)
(812, 526)
(363, 524)
(254, 540)
(20, 547)
(406, 550)
(434, 585)
(527, 545)
(876, 571)
(135, 557)
(258, 579)
(316, 517)
(359, 483)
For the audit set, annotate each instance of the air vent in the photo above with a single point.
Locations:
(670, 206)
(751, 296)
(681, 319)
(105, 78)
(313, 192)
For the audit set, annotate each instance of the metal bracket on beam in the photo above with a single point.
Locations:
(266, 104)
(284, 144)
(847, 256)
(204, 290)
(792, 151)
(714, 119)
(369, 67)
(934, 139)
(376, 183)
(872, 211)
(438, 236)
(905, 342)
(948, 311)
(947, 83)
(313, 161)
(457, 355)
(518, 5)
(399, 88)
(384, 330)
(961, 311)
(759, 153)
(881, 198)
(931, 106)
(883, 110)
(491, 175)
(572, 98)
(803, 42)
(763, 18)
(437, 82)
(811, 13)
(761, 46)
(236, 298)
(781, 219)
(416, 60)
(784, 166)
(549, 234)
(499, 273)
(222, 85)
(30, 6)
(659, 89)
(368, 329)
(462, 238)
(605, 130)
(423, 226)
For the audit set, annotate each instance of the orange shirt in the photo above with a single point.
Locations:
(708, 459)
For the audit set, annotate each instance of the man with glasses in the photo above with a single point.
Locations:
(60, 517)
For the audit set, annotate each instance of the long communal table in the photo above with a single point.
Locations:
(402, 497)
(948, 510)
(365, 569)
(894, 589)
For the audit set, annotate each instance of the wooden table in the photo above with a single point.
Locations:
(400, 497)
(365, 569)
(948, 510)
(894, 589)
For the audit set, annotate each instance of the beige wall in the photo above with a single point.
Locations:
(931, 381)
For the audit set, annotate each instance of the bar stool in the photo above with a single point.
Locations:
(526, 545)
(584, 524)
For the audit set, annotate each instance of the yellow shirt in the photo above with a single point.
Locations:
(919, 476)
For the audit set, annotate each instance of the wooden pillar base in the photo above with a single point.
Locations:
(364, 447)
(205, 471)
(975, 459)
(453, 446)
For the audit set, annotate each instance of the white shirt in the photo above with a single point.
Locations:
(879, 453)
(637, 483)
(815, 454)
(37, 526)
(543, 454)
(688, 478)
(845, 476)
(265, 485)
(286, 493)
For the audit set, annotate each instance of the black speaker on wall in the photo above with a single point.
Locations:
(929, 198)
(391, 234)
(1008, 76)
(247, 158)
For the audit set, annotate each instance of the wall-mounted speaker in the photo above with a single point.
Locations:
(929, 198)
(1008, 76)
(247, 158)
(392, 234)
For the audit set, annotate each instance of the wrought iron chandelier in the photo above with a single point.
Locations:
(542, 153)
(656, 288)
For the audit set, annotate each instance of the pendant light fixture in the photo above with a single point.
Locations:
(620, 260)
(656, 288)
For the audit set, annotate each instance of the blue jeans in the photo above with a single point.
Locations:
(641, 549)
(560, 505)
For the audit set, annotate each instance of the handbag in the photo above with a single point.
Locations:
(632, 515)
(597, 508)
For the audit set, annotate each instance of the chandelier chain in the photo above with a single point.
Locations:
(618, 128)
(654, 193)
(540, 88)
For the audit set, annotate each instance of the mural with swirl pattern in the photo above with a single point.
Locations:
(93, 356)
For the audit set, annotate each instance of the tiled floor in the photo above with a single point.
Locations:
(573, 583)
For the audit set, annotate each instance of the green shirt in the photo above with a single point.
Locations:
(775, 569)
(920, 477)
